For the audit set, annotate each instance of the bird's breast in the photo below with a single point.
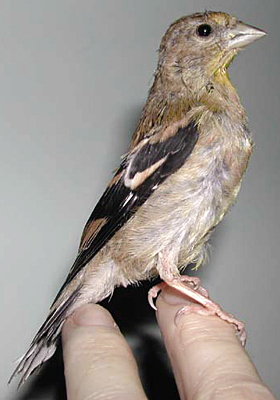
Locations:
(186, 206)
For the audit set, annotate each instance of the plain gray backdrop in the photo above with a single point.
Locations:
(73, 78)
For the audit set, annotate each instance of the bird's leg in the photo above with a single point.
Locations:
(190, 287)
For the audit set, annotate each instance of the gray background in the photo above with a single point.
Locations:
(73, 78)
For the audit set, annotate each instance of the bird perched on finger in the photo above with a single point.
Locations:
(179, 177)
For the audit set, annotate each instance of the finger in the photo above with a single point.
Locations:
(206, 356)
(98, 362)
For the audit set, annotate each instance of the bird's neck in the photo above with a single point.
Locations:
(223, 97)
(169, 104)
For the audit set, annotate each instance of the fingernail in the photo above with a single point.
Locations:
(92, 315)
(174, 297)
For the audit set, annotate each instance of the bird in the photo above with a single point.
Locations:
(178, 178)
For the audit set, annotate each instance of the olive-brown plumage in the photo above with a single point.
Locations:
(182, 172)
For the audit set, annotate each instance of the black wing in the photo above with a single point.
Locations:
(136, 179)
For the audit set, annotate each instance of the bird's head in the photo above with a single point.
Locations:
(199, 48)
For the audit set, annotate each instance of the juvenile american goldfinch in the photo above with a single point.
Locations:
(180, 175)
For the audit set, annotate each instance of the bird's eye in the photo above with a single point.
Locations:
(204, 30)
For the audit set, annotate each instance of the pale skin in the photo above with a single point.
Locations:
(208, 360)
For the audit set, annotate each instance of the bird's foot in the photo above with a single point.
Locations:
(213, 308)
(190, 286)
(192, 280)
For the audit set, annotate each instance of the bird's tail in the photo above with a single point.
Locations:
(44, 344)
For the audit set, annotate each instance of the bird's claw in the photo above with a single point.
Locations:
(153, 293)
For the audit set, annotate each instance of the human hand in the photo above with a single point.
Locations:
(207, 359)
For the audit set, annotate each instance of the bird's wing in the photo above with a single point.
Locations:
(138, 176)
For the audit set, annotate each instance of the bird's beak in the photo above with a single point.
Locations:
(243, 34)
